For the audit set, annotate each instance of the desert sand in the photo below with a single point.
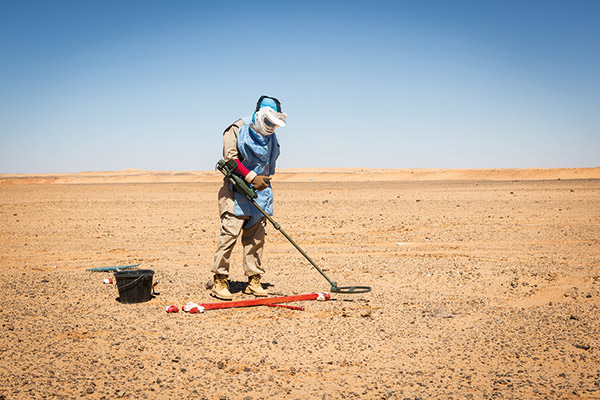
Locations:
(307, 175)
(486, 284)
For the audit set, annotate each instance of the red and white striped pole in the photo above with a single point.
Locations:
(267, 301)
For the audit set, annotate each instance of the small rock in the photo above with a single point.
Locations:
(89, 390)
(573, 292)
(583, 346)
(221, 364)
(439, 313)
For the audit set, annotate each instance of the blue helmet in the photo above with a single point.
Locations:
(266, 101)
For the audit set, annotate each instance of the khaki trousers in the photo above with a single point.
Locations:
(253, 240)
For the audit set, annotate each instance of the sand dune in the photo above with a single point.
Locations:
(307, 175)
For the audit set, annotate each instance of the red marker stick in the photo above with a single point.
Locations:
(286, 306)
(265, 301)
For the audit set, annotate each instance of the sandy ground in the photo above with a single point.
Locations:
(482, 288)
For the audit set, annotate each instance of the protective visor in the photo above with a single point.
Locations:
(270, 119)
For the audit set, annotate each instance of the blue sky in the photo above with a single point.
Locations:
(109, 85)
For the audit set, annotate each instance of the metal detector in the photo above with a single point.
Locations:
(228, 169)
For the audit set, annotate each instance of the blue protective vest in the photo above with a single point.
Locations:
(258, 153)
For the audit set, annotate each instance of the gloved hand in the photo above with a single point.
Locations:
(261, 182)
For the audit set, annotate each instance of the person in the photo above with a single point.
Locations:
(252, 142)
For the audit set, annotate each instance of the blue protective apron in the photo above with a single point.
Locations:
(258, 153)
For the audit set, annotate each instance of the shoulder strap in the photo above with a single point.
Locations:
(238, 124)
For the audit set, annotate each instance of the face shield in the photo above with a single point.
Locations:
(266, 120)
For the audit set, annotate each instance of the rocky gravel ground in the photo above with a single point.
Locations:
(481, 289)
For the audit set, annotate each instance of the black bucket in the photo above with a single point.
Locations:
(135, 285)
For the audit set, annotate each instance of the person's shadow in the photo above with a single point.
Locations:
(239, 286)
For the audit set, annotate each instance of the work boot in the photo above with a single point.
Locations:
(220, 288)
(254, 287)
